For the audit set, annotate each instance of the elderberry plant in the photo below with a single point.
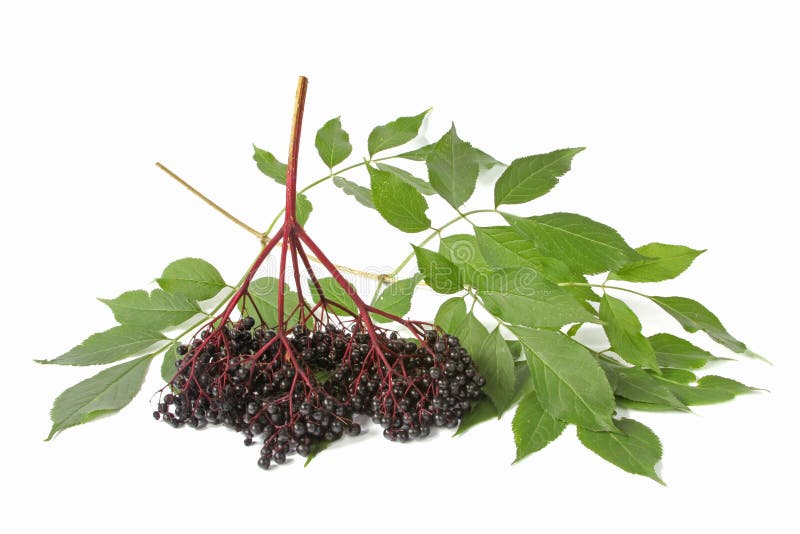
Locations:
(296, 366)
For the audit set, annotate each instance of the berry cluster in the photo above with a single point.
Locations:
(296, 389)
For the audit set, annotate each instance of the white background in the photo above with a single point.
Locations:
(689, 112)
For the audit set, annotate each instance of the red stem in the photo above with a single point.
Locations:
(294, 148)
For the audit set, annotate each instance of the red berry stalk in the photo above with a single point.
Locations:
(301, 382)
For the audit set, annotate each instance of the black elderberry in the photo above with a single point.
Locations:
(303, 449)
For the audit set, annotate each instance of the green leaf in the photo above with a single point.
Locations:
(264, 296)
(418, 154)
(316, 448)
(572, 330)
(398, 132)
(485, 409)
(481, 411)
(451, 315)
(681, 376)
(462, 250)
(624, 331)
(193, 278)
(471, 333)
(569, 382)
(533, 176)
(496, 363)
(155, 311)
(725, 384)
(110, 346)
(710, 389)
(453, 318)
(523, 296)
(663, 262)
(635, 384)
(452, 169)
(693, 316)
(636, 450)
(168, 368)
(334, 293)
(524, 382)
(106, 392)
(586, 246)
(515, 347)
(484, 160)
(269, 165)
(696, 395)
(333, 143)
(399, 203)
(396, 298)
(533, 427)
(321, 375)
(303, 208)
(672, 351)
(503, 247)
(417, 183)
(439, 272)
(362, 194)
(622, 402)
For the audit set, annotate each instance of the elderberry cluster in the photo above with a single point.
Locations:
(293, 391)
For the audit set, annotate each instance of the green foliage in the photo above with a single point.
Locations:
(462, 251)
(452, 169)
(396, 298)
(398, 202)
(156, 310)
(404, 176)
(635, 384)
(709, 389)
(193, 278)
(106, 392)
(568, 380)
(496, 363)
(672, 351)
(586, 246)
(635, 449)
(115, 344)
(454, 318)
(362, 194)
(336, 295)
(303, 208)
(482, 411)
(168, 368)
(263, 301)
(663, 262)
(439, 272)
(269, 165)
(532, 176)
(398, 132)
(333, 143)
(523, 296)
(503, 247)
(624, 331)
(533, 427)
(693, 316)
